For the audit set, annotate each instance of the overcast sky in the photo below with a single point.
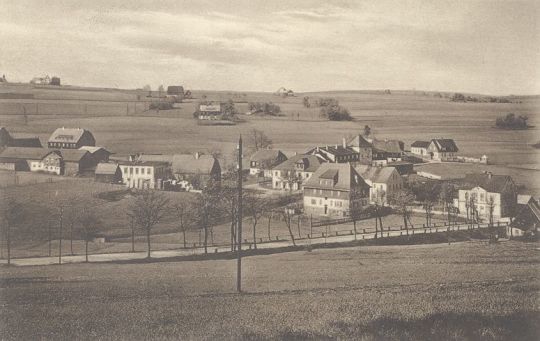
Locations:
(471, 46)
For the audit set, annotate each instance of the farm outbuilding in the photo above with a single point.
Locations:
(108, 173)
(77, 162)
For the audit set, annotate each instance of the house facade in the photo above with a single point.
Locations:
(420, 148)
(262, 161)
(108, 173)
(486, 195)
(335, 189)
(71, 138)
(196, 171)
(292, 173)
(384, 182)
(442, 150)
(144, 174)
(52, 163)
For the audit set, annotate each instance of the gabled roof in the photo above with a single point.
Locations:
(489, 182)
(23, 153)
(73, 155)
(342, 176)
(187, 163)
(337, 150)
(445, 145)
(156, 157)
(420, 144)
(376, 174)
(106, 168)
(70, 135)
(389, 146)
(311, 163)
(359, 141)
(267, 155)
(527, 217)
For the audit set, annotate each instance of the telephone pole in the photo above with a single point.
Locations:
(239, 214)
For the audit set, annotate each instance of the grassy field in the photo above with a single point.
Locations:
(465, 291)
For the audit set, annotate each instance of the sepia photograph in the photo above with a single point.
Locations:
(270, 170)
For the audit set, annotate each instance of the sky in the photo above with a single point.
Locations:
(488, 47)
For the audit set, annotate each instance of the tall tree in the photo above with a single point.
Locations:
(90, 225)
(287, 214)
(256, 206)
(207, 209)
(12, 214)
(148, 209)
(182, 211)
(257, 140)
(402, 200)
(446, 196)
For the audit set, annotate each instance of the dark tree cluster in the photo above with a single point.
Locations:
(331, 109)
(511, 121)
(266, 108)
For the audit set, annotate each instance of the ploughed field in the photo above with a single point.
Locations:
(463, 291)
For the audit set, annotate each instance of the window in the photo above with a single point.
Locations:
(313, 201)
(130, 170)
(481, 196)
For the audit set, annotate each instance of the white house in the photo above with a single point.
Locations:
(420, 148)
(144, 174)
(384, 182)
(262, 161)
(292, 173)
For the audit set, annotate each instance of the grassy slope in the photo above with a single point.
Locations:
(464, 291)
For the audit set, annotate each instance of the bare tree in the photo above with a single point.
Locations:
(12, 214)
(402, 199)
(90, 224)
(182, 211)
(256, 206)
(148, 209)
(491, 208)
(446, 196)
(257, 139)
(207, 209)
(287, 214)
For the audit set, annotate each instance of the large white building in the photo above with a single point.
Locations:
(145, 174)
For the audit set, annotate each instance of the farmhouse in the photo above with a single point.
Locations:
(442, 150)
(20, 158)
(364, 149)
(77, 162)
(144, 174)
(41, 80)
(210, 112)
(384, 182)
(196, 171)
(335, 189)
(99, 154)
(420, 148)
(262, 161)
(485, 195)
(292, 173)
(527, 220)
(71, 138)
(108, 173)
(403, 167)
(384, 151)
(16, 140)
(336, 153)
(51, 163)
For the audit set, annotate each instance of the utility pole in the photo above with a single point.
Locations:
(239, 215)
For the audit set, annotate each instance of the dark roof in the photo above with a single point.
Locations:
(420, 144)
(92, 149)
(143, 163)
(267, 155)
(106, 168)
(311, 163)
(337, 150)
(23, 153)
(72, 155)
(9, 160)
(489, 182)
(527, 217)
(445, 145)
(343, 175)
(71, 135)
(375, 174)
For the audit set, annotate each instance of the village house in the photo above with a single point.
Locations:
(335, 189)
(51, 163)
(77, 162)
(108, 173)
(210, 112)
(21, 158)
(144, 174)
(385, 151)
(41, 80)
(420, 148)
(339, 153)
(487, 195)
(384, 182)
(403, 167)
(442, 150)
(196, 171)
(99, 154)
(364, 149)
(527, 219)
(8, 139)
(292, 173)
(262, 161)
(71, 138)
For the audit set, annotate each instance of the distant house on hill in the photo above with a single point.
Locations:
(108, 173)
(487, 194)
(71, 138)
(384, 182)
(209, 112)
(55, 81)
(292, 173)
(8, 139)
(41, 80)
(335, 189)
(262, 161)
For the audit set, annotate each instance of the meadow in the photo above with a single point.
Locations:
(465, 291)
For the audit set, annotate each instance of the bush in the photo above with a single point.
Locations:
(267, 108)
(336, 113)
(511, 121)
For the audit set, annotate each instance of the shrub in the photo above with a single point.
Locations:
(267, 108)
(336, 113)
(511, 121)
(161, 105)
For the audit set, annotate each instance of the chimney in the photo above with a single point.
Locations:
(344, 143)
(197, 155)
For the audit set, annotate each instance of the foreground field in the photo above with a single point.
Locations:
(466, 291)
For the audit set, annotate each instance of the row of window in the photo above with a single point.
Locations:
(333, 203)
(320, 191)
(130, 170)
(63, 145)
